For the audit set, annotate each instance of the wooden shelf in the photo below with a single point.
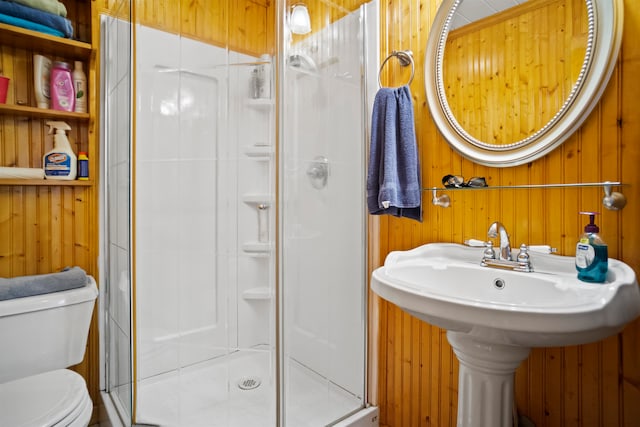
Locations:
(40, 113)
(46, 182)
(44, 43)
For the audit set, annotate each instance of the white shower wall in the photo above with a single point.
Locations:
(204, 160)
(192, 216)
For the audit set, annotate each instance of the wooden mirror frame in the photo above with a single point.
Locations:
(605, 35)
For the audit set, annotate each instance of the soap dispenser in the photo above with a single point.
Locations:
(592, 259)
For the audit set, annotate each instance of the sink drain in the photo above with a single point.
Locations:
(249, 383)
(499, 284)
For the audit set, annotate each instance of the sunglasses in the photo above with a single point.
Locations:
(456, 181)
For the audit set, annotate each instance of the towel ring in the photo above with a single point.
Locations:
(405, 57)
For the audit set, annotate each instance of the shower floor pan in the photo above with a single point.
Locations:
(238, 390)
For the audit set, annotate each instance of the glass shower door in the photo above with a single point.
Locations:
(323, 281)
(116, 197)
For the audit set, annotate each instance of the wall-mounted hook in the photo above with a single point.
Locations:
(613, 200)
(442, 200)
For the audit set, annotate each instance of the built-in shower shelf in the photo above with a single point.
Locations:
(261, 103)
(256, 199)
(257, 249)
(258, 293)
(259, 152)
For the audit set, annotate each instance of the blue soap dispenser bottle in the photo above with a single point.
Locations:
(592, 258)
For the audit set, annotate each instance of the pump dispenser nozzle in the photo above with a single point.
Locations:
(591, 227)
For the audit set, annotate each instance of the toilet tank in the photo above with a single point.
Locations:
(44, 332)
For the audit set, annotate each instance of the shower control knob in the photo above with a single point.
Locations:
(318, 172)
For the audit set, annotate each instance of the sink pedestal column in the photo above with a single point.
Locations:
(485, 380)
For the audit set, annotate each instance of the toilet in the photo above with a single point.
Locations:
(41, 335)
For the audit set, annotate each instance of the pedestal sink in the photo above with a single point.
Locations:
(494, 317)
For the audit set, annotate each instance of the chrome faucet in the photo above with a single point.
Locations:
(497, 229)
(503, 260)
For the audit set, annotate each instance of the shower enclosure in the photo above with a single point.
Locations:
(235, 225)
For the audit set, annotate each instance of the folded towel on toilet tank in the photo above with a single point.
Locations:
(26, 286)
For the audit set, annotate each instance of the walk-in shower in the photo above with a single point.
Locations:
(236, 282)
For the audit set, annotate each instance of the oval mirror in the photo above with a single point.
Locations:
(507, 81)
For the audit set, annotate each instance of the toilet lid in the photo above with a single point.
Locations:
(41, 400)
(80, 416)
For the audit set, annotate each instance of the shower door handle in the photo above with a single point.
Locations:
(318, 172)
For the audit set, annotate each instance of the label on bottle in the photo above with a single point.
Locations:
(57, 164)
(46, 80)
(81, 100)
(585, 254)
(62, 91)
(83, 169)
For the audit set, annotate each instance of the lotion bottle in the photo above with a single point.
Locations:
(592, 259)
(60, 163)
(80, 87)
(63, 96)
(42, 80)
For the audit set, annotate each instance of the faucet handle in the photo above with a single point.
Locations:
(524, 259)
(488, 253)
(523, 255)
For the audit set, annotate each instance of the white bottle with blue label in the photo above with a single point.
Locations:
(61, 162)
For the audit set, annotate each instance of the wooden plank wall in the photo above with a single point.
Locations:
(590, 385)
(45, 228)
(246, 26)
(550, 38)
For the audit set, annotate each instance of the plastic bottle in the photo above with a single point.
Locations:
(254, 84)
(80, 87)
(42, 80)
(592, 258)
(63, 96)
(83, 166)
(61, 162)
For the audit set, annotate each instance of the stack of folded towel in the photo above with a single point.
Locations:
(45, 16)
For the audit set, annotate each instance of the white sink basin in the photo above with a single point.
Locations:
(493, 316)
(444, 284)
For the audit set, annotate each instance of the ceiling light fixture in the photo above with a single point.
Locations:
(299, 20)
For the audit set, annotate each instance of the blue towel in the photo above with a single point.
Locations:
(26, 286)
(393, 178)
(37, 16)
(17, 22)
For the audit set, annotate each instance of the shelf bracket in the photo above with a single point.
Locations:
(443, 200)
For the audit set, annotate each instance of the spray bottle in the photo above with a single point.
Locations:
(61, 162)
